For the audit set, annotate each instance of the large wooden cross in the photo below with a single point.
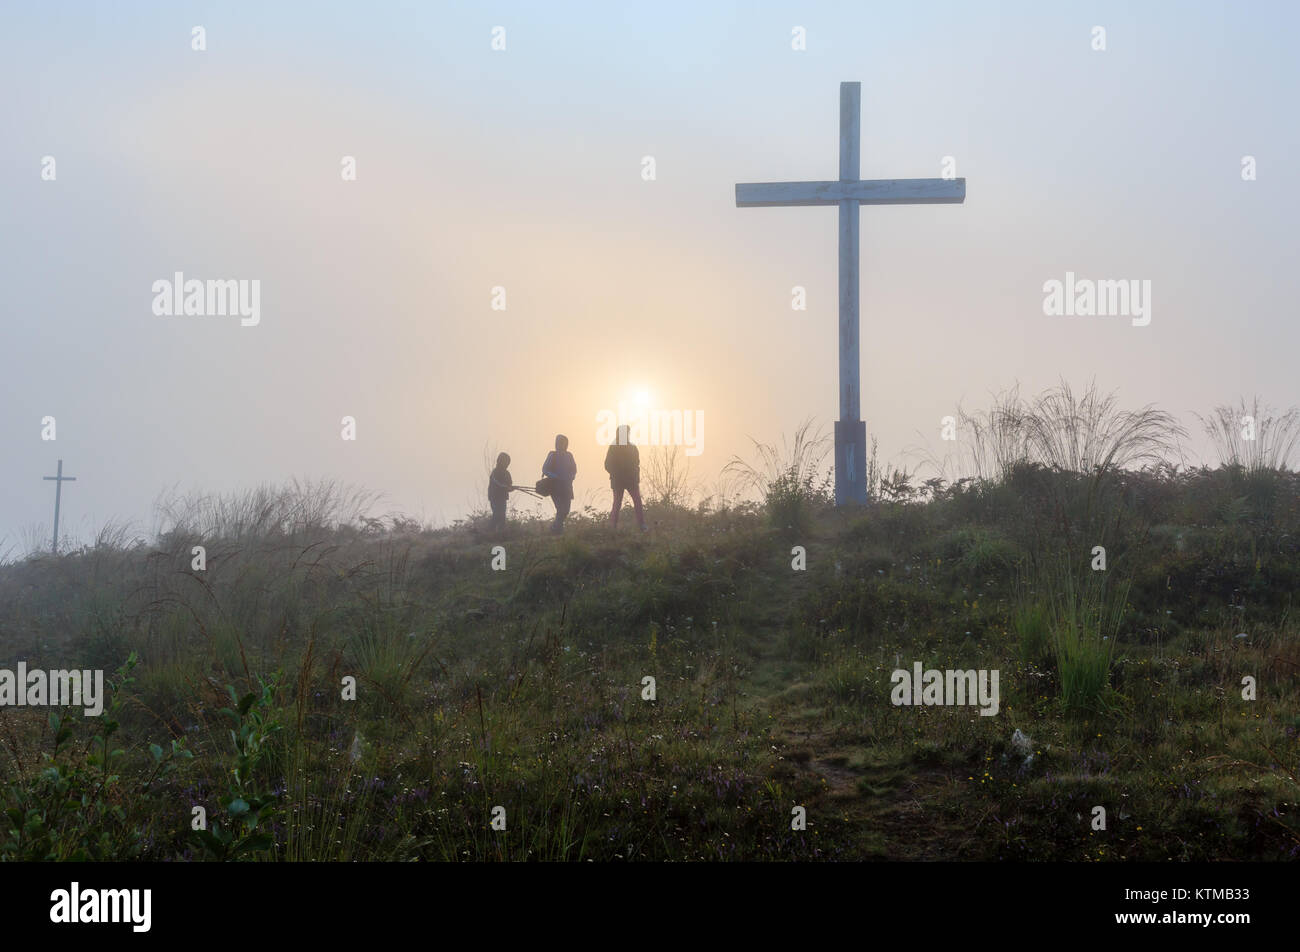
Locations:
(848, 193)
(59, 480)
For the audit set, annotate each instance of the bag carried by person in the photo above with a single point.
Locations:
(543, 486)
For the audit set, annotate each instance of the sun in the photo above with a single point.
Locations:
(642, 398)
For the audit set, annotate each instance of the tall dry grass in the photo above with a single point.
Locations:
(1276, 436)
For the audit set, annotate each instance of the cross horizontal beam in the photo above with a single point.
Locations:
(921, 191)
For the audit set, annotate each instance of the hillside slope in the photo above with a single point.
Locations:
(523, 687)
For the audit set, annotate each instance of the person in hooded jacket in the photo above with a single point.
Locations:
(499, 488)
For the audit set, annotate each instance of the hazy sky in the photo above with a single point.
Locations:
(522, 168)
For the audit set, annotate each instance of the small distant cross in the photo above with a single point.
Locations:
(59, 480)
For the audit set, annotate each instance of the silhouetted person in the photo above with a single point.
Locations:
(623, 463)
(499, 486)
(562, 469)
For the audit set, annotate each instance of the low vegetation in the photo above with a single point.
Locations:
(525, 688)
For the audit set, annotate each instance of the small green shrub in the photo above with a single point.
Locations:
(1031, 623)
(1085, 625)
(72, 810)
(248, 806)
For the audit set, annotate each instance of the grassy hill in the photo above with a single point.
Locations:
(523, 687)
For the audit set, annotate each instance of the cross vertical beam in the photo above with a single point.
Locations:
(59, 480)
(850, 430)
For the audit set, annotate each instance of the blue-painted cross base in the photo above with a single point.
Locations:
(850, 462)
